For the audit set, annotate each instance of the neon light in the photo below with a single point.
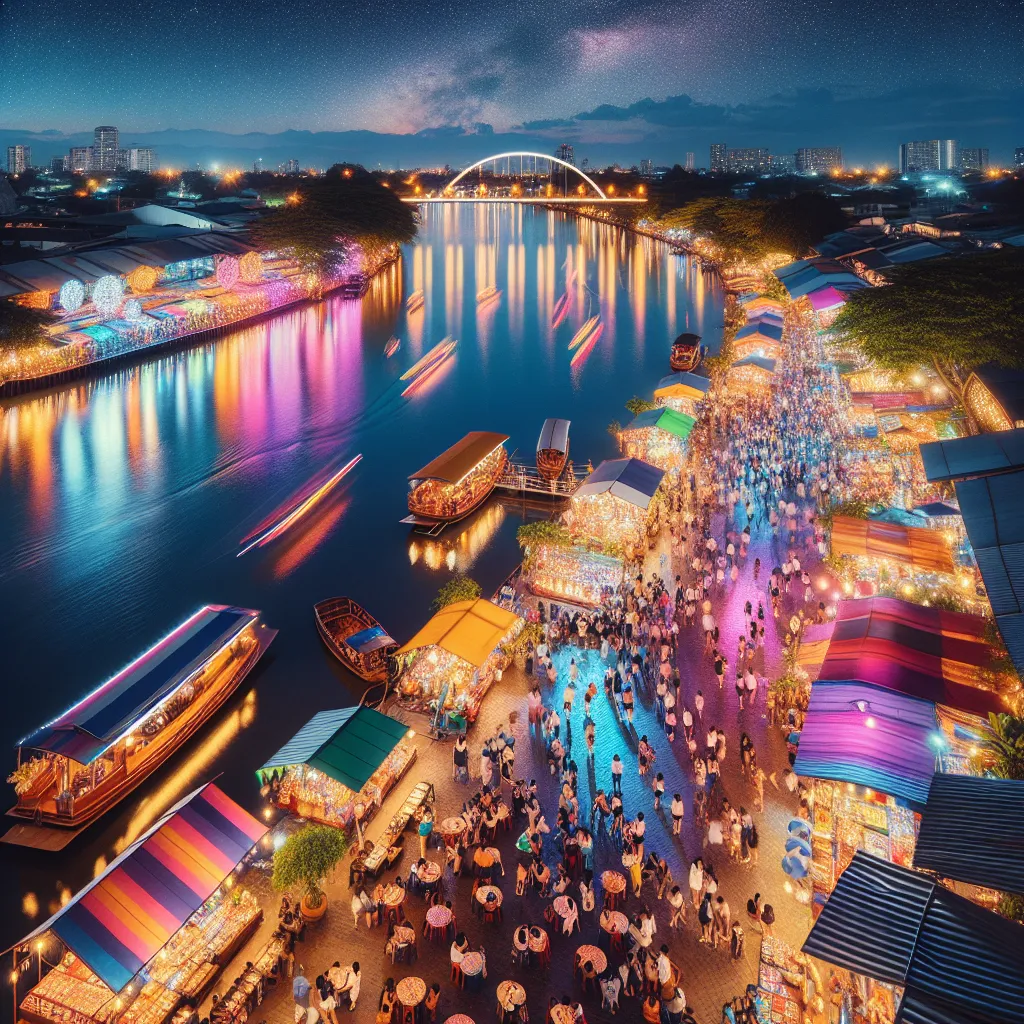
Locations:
(71, 295)
(277, 528)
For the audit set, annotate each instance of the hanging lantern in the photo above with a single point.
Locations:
(71, 295)
(143, 279)
(133, 310)
(108, 294)
(250, 268)
(227, 272)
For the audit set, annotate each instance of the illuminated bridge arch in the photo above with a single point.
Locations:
(521, 153)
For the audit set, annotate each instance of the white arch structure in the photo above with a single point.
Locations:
(540, 156)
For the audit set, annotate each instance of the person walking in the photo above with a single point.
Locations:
(617, 775)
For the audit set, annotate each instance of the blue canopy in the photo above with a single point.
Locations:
(631, 480)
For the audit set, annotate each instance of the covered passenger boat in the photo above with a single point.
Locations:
(458, 481)
(686, 352)
(82, 763)
(354, 637)
(553, 448)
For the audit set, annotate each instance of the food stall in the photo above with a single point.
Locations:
(760, 336)
(574, 575)
(911, 549)
(455, 657)
(612, 505)
(658, 437)
(750, 376)
(682, 392)
(339, 766)
(153, 930)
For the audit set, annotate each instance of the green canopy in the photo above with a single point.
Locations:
(669, 420)
(349, 745)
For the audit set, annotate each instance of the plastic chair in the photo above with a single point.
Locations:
(457, 976)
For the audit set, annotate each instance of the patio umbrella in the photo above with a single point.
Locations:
(799, 827)
(796, 845)
(794, 866)
(300, 990)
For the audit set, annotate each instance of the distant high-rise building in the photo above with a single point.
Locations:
(104, 148)
(748, 161)
(1018, 157)
(585, 165)
(646, 168)
(690, 161)
(564, 152)
(19, 159)
(783, 163)
(80, 158)
(139, 158)
(929, 155)
(291, 167)
(974, 159)
(819, 160)
(719, 156)
(58, 164)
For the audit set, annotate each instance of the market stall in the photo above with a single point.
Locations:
(338, 768)
(682, 392)
(154, 929)
(750, 376)
(453, 660)
(574, 575)
(658, 437)
(785, 980)
(612, 504)
(761, 336)
(916, 549)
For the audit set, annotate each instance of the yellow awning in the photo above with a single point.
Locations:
(468, 629)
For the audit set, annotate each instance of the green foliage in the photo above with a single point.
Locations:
(615, 428)
(854, 508)
(1006, 746)
(1011, 906)
(545, 531)
(637, 405)
(525, 641)
(773, 288)
(459, 588)
(307, 858)
(21, 327)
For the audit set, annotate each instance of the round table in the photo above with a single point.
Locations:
(430, 872)
(562, 1014)
(472, 964)
(394, 895)
(459, 1018)
(451, 829)
(538, 943)
(511, 992)
(613, 882)
(617, 923)
(488, 890)
(411, 991)
(595, 956)
(561, 905)
(438, 916)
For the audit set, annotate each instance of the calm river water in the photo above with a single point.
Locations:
(123, 499)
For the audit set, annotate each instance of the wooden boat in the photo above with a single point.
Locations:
(588, 346)
(581, 335)
(295, 508)
(393, 345)
(686, 352)
(458, 481)
(442, 348)
(354, 637)
(553, 448)
(86, 760)
(425, 374)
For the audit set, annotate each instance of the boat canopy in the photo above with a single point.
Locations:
(682, 385)
(125, 916)
(84, 731)
(554, 435)
(468, 629)
(669, 420)
(348, 745)
(687, 339)
(462, 458)
(373, 638)
(632, 480)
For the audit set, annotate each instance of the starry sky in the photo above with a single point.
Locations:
(655, 76)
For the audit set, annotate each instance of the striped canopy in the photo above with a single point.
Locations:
(918, 547)
(123, 918)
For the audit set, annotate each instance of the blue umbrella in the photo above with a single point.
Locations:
(799, 827)
(796, 844)
(794, 866)
(300, 990)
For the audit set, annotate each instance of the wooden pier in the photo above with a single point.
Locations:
(524, 481)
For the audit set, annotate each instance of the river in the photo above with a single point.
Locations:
(123, 498)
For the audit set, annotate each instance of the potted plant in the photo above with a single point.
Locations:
(306, 858)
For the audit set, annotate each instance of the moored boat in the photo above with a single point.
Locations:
(487, 294)
(78, 766)
(553, 448)
(354, 637)
(441, 349)
(686, 352)
(457, 481)
(392, 346)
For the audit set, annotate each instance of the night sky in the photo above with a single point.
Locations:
(659, 75)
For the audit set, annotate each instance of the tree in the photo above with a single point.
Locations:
(956, 313)
(307, 858)
(1006, 746)
(794, 223)
(20, 326)
(637, 405)
(459, 588)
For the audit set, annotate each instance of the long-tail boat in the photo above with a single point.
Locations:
(429, 370)
(441, 349)
(584, 332)
(414, 302)
(86, 760)
(354, 637)
(553, 448)
(686, 352)
(457, 481)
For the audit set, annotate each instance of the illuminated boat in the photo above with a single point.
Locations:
(393, 345)
(441, 349)
(561, 310)
(458, 481)
(686, 352)
(424, 375)
(553, 448)
(581, 335)
(587, 347)
(414, 302)
(487, 294)
(78, 766)
(294, 509)
(354, 637)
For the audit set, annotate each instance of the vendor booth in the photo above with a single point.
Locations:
(612, 504)
(338, 768)
(658, 437)
(452, 661)
(574, 575)
(761, 336)
(917, 549)
(753, 304)
(151, 932)
(750, 376)
(682, 392)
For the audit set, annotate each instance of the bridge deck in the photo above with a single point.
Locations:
(538, 200)
(525, 480)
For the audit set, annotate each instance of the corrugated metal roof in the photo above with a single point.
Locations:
(632, 480)
(309, 739)
(971, 831)
(979, 455)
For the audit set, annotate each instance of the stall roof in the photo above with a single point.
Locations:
(669, 420)
(886, 747)
(760, 328)
(978, 455)
(554, 434)
(919, 547)
(921, 652)
(349, 745)
(959, 963)
(85, 730)
(632, 480)
(126, 915)
(468, 629)
(994, 516)
(971, 831)
(760, 362)
(682, 385)
(462, 458)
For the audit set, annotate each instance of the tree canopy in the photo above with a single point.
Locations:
(20, 327)
(459, 588)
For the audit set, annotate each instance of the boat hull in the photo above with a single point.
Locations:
(551, 462)
(461, 511)
(342, 611)
(682, 360)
